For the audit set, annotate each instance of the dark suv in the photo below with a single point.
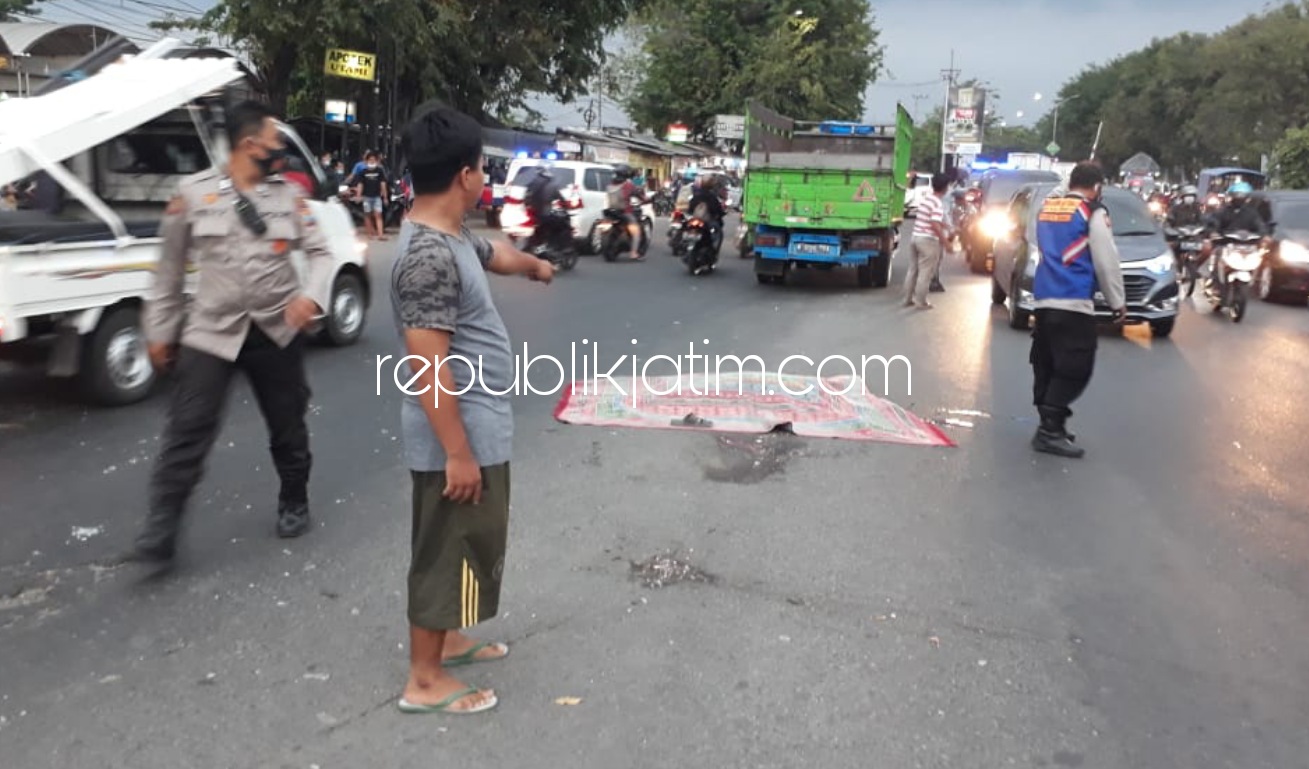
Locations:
(998, 187)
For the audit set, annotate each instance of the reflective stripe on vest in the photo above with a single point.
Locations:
(1063, 235)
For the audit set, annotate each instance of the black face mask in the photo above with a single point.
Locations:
(266, 163)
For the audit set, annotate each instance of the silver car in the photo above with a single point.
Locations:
(1149, 267)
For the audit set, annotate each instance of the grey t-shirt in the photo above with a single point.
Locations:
(439, 282)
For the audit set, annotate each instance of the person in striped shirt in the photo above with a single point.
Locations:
(929, 240)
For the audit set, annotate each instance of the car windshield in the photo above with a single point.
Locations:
(1001, 189)
(1129, 215)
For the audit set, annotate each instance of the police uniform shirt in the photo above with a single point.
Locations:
(244, 277)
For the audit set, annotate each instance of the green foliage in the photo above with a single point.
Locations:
(1194, 101)
(1292, 159)
(485, 57)
(698, 60)
(9, 7)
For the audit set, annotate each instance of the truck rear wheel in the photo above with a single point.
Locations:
(866, 274)
(116, 367)
(882, 263)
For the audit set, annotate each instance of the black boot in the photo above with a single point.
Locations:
(292, 519)
(1051, 438)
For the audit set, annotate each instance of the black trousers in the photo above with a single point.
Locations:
(277, 377)
(1062, 358)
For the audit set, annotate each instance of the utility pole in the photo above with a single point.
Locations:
(600, 101)
(948, 75)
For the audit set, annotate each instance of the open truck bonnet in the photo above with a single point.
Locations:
(41, 132)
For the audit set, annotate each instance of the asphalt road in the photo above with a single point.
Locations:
(871, 604)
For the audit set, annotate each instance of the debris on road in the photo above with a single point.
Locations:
(667, 569)
(568, 701)
(83, 533)
(936, 642)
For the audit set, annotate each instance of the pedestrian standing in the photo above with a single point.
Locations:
(373, 188)
(239, 225)
(457, 446)
(1078, 259)
(929, 238)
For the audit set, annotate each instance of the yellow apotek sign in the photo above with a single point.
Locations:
(351, 64)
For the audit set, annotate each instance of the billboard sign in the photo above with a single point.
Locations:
(729, 127)
(964, 122)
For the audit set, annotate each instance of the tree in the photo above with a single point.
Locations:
(696, 61)
(10, 7)
(1292, 159)
(1193, 101)
(484, 57)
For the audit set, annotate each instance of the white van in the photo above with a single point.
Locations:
(583, 184)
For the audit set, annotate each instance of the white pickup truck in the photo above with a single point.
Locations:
(73, 279)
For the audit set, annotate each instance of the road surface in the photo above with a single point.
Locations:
(870, 604)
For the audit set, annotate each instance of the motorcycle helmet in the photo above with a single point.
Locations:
(623, 172)
(1190, 194)
(545, 170)
(1239, 191)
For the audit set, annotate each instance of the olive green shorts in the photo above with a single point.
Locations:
(458, 552)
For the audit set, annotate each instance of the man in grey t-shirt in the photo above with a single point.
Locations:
(458, 428)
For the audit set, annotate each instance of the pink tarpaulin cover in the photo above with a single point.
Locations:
(839, 407)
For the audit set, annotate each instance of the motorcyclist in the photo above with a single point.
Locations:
(1186, 212)
(1238, 214)
(620, 193)
(707, 203)
(542, 192)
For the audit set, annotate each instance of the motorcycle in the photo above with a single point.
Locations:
(1237, 257)
(552, 239)
(1188, 248)
(675, 225)
(704, 241)
(662, 204)
(614, 238)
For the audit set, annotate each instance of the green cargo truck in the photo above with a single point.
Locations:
(821, 195)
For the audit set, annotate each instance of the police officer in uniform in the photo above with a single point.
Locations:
(239, 226)
(1078, 258)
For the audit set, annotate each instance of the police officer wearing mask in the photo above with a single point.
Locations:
(239, 225)
(1078, 258)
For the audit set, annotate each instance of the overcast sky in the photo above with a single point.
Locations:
(1021, 47)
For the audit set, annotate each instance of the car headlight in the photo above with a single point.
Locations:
(995, 225)
(1159, 265)
(1293, 253)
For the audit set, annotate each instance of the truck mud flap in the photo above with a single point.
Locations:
(774, 267)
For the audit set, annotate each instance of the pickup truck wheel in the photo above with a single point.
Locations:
(116, 367)
(345, 319)
(997, 293)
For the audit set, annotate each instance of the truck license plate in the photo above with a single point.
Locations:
(813, 248)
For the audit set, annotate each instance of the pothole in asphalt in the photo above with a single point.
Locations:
(750, 459)
(668, 569)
